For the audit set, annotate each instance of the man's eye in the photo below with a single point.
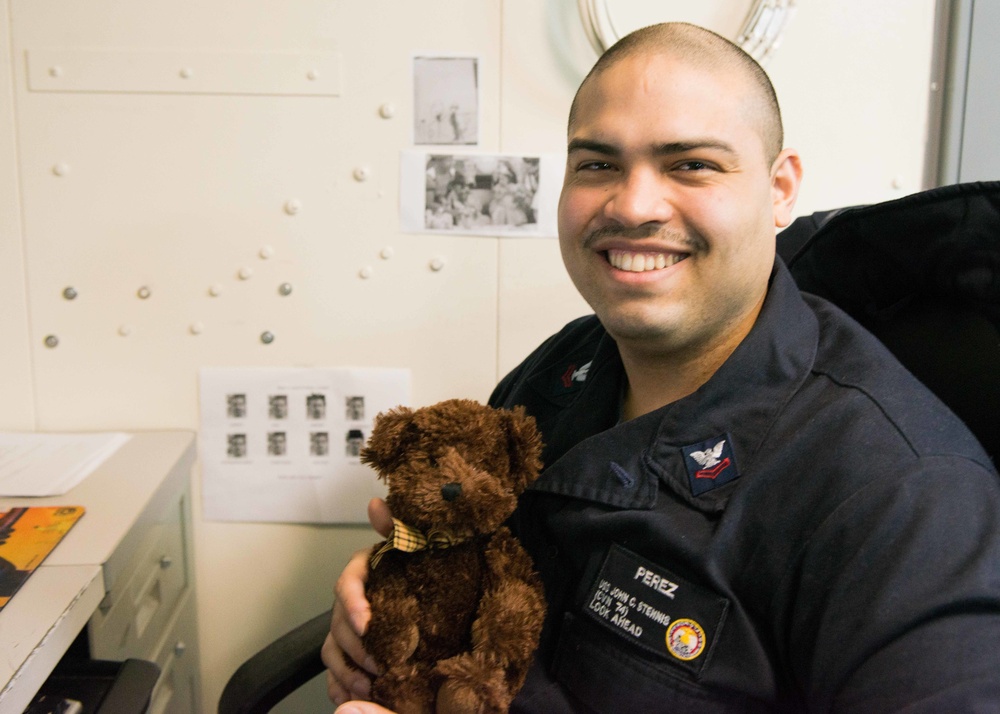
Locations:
(594, 166)
(693, 165)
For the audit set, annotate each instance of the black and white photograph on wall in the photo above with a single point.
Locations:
(319, 443)
(354, 408)
(277, 406)
(474, 193)
(485, 194)
(295, 455)
(316, 407)
(277, 443)
(236, 446)
(236, 406)
(355, 440)
(446, 100)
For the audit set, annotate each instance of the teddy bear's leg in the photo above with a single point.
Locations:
(473, 685)
(406, 689)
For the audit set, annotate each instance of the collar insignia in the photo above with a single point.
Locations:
(410, 540)
(575, 374)
(710, 464)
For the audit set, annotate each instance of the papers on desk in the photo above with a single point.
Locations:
(36, 464)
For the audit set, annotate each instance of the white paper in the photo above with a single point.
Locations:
(36, 464)
(281, 444)
(479, 194)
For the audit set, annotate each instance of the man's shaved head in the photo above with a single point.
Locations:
(706, 50)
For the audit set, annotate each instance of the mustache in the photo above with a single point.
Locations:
(693, 243)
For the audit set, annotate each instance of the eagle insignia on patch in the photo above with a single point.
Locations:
(710, 464)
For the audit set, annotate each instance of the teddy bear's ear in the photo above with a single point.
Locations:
(524, 447)
(386, 447)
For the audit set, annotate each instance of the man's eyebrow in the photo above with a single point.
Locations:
(665, 149)
(598, 147)
(681, 147)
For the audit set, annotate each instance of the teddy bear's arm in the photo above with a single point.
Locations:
(512, 609)
(392, 635)
(504, 634)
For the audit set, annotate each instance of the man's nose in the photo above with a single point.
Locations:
(642, 196)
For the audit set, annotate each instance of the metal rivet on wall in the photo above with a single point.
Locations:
(365, 272)
(293, 206)
(437, 264)
(60, 169)
(362, 173)
(245, 273)
(266, 252)
(55, 71)
(144, 292)
(51, 341)
(312, 75)
(387, 110)
(70, 293)
(125, 330)
(386, 253)
(266, 337)
(186, 73)
(285, 289)
(215, 290)
(197, 328)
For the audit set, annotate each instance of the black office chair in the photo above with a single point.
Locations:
(922, 273)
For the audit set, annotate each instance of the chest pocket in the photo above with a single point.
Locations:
(608, 677)
(641, 639)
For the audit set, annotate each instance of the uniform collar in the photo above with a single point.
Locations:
(591, 456)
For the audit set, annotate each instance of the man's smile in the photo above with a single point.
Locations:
(636, 262)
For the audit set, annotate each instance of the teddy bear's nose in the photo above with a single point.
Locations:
(451, 491)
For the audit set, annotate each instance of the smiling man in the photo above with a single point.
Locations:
(747, 504)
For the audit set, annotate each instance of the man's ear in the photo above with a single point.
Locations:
(786, 177)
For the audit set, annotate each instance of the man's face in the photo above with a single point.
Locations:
(668, 210)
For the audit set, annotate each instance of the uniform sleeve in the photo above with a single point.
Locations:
(899, 596)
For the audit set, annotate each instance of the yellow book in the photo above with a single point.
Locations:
(27, 536)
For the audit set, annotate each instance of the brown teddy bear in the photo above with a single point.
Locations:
(456, 605)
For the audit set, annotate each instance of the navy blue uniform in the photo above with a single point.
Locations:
(812, 530)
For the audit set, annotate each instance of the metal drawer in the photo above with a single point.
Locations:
(131, 618)
(176, 691)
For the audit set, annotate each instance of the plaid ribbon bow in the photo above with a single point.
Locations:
(409, 540)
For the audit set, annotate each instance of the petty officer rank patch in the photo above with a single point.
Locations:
(647, 605)
(710, 464)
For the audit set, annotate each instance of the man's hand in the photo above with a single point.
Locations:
(361, 708)
(348, 665)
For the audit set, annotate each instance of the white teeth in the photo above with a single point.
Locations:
(642, 262)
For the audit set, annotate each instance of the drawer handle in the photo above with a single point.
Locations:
(106, 603)
(166, 561)
(180, 648)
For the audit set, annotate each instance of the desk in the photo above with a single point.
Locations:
(124, 572)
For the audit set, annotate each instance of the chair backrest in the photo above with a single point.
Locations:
(923, 274)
